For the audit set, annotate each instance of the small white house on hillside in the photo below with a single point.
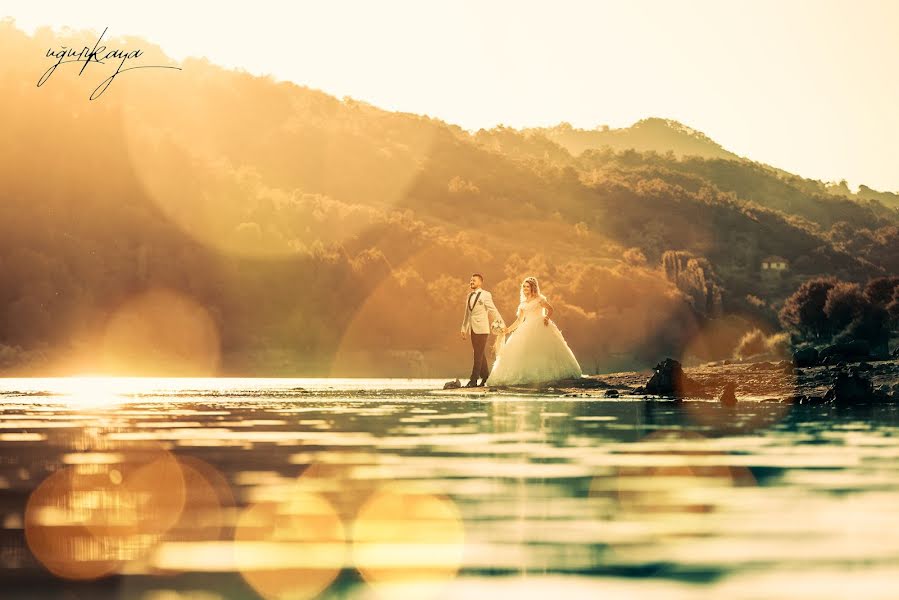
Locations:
(775, 263)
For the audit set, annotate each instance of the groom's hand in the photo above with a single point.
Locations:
(463, 335)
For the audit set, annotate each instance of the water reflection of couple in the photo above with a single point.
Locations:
(535, 350)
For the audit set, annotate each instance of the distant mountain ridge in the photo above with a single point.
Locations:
(651, 134)
(660, 135)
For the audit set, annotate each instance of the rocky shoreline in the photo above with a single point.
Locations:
(841, 383)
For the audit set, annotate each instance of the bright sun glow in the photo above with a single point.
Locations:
(91, 390)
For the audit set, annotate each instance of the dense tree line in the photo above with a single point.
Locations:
(827, 309)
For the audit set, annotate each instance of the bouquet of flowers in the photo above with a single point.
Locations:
(497, 326)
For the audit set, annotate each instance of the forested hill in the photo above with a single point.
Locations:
(653, 134)
(207, 221)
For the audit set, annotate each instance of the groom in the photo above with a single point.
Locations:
(478, 308)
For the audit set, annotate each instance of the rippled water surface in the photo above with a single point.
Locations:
(297, 488)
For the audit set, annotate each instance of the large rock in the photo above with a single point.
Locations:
(669, 379)
(851, 388)
(805, 357)
(451, 385)
(851, 351)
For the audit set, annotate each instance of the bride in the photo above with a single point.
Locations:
(535, 351)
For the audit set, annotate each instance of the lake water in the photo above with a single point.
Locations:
(205, 489)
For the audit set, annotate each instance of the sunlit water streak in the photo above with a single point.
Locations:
(362, 488)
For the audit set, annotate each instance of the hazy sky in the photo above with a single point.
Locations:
(808, 86)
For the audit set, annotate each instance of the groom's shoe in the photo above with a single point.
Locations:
(472, 384)
(482, 384)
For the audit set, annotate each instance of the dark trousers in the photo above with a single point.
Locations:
(478, 344)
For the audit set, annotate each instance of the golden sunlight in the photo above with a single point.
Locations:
(408, 545)
(87, 521)
(91, 391)
(161, 331)
(292, 549)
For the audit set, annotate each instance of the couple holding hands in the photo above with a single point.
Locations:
(535, 351)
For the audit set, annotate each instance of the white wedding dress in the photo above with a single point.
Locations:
(534, 352)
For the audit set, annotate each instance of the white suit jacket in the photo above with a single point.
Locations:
(477, 313)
